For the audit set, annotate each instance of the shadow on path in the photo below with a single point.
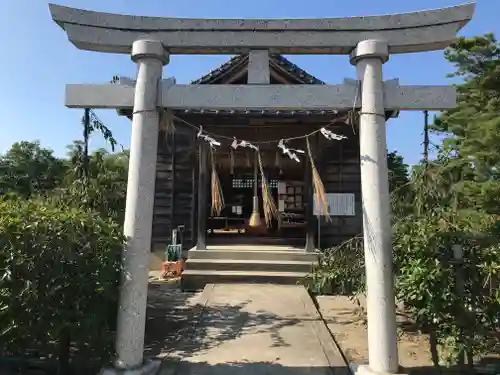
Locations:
(178, 367)
(176, 324)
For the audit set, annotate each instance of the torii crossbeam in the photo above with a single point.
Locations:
(279, 97)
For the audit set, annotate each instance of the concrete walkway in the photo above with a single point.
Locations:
(254, 329)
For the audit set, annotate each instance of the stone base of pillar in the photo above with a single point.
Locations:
(148, 368)
(365, 370)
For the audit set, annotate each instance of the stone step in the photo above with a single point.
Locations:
(193, 280)
(269, 255)
(248, 265)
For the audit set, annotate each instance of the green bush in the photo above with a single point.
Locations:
(458, 301)
(59, 272)
(464, 322)
(340, 270)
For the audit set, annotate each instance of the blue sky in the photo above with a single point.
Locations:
(37, 61)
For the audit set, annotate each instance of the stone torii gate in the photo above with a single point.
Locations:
(368, 40)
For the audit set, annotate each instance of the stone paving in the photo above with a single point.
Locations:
(240, 329)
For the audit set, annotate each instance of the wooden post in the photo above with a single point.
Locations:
(194, 200)
(310, 219)
(172, 161)
(201, 243)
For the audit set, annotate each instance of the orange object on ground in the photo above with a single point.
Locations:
(172, 269)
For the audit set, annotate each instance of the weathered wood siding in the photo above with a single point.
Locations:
(175, 187)
(340, 171)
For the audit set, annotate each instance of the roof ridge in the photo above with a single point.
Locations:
(221, 69)
(280, 60)
(296, 70)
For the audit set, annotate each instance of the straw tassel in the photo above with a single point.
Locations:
(166, 121)
(166, 124)
(270, 209)
(319, 188)
(352, 119)
(217, 197)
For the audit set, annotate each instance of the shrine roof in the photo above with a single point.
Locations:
(276, 62)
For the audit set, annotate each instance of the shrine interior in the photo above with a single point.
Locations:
(238, 172)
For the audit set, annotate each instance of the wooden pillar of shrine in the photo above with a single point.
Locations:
(201, 242)
(309, 198)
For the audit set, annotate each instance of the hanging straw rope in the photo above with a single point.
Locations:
(166, 121)
(340, 120)
(319, 188)
(217, 197)
(270, 209)
(166, 124)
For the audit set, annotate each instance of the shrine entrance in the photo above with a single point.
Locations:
(241, 182)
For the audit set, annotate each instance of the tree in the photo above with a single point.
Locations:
(27, 169)
(455, 201)
(59, 271)
(398, 171)
(90, 124)
(104, 188)
(60, 248)
(398, 183)
(473, 127)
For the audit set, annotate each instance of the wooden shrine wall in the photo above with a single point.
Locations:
(175, 188)
(340, 172)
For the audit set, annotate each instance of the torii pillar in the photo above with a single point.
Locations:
(368, 56)
(150, 56)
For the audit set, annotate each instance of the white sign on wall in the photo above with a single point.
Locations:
(281, 187)
(339, 204)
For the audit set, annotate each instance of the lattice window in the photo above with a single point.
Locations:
(247, 183)
(273, 184)
(242, 183)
